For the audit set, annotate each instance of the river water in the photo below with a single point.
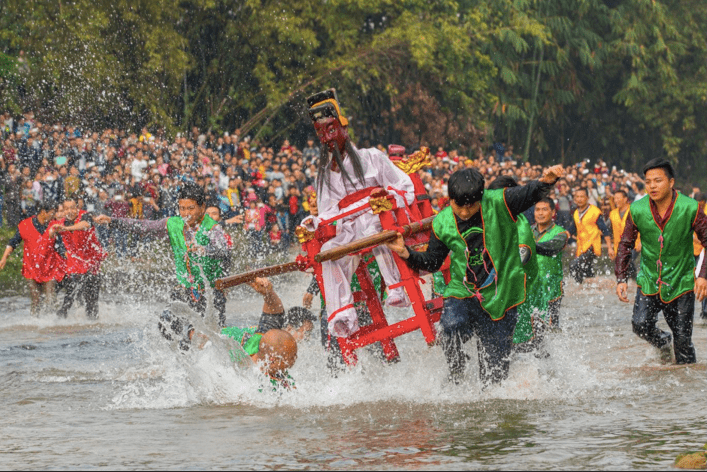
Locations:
(113, 394)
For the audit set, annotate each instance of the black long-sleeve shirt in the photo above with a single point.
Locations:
(630, 235)
(313, 287)
(553, 246)
(518, 199)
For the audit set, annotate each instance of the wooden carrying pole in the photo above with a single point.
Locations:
(332, 254)
(251, 275)
(375, 240)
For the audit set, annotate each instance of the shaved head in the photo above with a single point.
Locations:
(278, 350)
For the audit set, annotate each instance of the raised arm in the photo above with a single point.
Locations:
(553, 246)
(519, 199)
(273, 316)
(85, 223)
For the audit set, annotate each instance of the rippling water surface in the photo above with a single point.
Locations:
(113, 394)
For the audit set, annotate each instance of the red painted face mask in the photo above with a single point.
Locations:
(331, 133)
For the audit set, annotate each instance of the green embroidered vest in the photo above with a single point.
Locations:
(524, 326)
(549, 280)
(667, 262)
(507, 289)
(527, 239)
(190, 266)
(542, 289)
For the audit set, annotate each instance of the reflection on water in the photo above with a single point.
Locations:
(113, 394)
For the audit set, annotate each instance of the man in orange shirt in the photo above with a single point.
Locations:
(589, 228)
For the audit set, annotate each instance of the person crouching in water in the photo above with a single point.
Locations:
(487, 279)
(200, 249)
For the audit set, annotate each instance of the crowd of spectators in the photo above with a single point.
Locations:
(260, 189)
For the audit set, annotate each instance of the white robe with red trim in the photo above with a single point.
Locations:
(379, 171)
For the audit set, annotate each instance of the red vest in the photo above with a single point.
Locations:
(40, 261)
(84, 252)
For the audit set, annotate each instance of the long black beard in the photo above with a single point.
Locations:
(324, 170)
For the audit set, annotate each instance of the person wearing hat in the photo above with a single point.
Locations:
(200, 249)
(346, 177)
(44, 255)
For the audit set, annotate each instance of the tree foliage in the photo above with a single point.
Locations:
(558, 79)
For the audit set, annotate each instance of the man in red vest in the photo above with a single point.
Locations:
(43, 261)
(84, 255)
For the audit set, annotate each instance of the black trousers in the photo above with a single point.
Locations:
(463, 318)
(583, 267)
(678, 314)
(554, 312)
(88, 286)
(172, 326)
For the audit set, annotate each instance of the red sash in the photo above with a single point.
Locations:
(359, 195)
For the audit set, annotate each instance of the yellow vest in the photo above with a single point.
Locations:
(588, 234)
(618, 225)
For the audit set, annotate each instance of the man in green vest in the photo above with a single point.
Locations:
(546, 292)
(487, 279)
(200, 249)
(541, 256)
(526, 325)
(666, 281)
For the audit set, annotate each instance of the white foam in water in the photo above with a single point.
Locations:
(156, 375)
(17, 314)
(208, 377)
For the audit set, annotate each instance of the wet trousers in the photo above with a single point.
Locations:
(172, 326)
(88, 286)
(678, 314)
(553, 311)
(463, 318)
(583, 267)
(36, 290)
